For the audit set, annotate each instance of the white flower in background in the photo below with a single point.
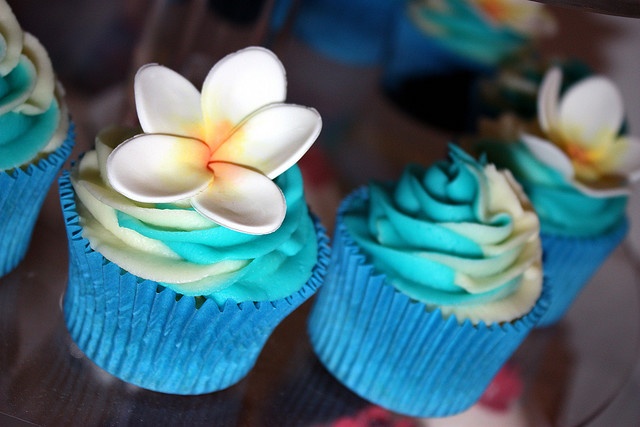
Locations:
(581, 135)
(220, 149)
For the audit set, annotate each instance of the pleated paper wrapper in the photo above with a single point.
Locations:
(150, 336)
(22, 193)
(396, 353)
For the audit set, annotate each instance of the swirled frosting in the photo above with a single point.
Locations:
(562, 208)
(577, 161)
(33, 121)
(183, 250)
(457, 235)
(485, 31)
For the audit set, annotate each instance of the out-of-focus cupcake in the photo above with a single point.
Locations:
(434, 281)
(575, 164)
(353, 32)
(514, 88)
(35, 135)
(439, 50)
(184, 253)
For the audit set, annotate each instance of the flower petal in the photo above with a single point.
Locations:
(238, 85)
(604, 188)
(591, 111)
(548, 96)
(273, 139)
(168, 103)
(159, 168)
(623, 158)
(549, 154)
(242, 199)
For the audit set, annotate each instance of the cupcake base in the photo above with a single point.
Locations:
(393, 351)
(152, 337)
(570, 262)
(22, 193)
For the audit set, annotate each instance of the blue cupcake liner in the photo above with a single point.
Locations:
(570, 262)
(392, 350)
(353, 32)
(22, 193)
(413, 53)
(154, 338)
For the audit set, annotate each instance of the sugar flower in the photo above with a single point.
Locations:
(523, 16)
(581, 136)
(219, 149)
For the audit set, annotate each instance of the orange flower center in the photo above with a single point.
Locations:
(496, 9)
(578, 154)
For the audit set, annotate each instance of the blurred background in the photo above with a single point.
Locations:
(343, 58)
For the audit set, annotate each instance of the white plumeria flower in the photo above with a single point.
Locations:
(220, 149)
(582, 137)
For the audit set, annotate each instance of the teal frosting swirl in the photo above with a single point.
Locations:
(460, 27)
(441, 237)
(198, 257)
(561, 207)
(30, 115)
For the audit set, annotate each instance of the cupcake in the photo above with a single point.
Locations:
(434, 281)
(35, 136)
(441, 49)
(575, 165)
(191, 241)
(353, 33)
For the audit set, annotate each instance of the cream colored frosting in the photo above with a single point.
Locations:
(176, 246)
(457, 236)
(33, 117)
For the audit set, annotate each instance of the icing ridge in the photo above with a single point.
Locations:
(485, 30)
(577, 161)
(562, 208)
(457, 235)
(176, 246)
(33, 118)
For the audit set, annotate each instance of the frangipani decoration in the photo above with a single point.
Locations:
(219, 149)
(523, 16)
(581, 135)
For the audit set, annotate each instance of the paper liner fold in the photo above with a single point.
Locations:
(22, 193)
(570, 262)
(395, 353)
(150, 336)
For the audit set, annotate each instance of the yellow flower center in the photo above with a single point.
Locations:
(220, 133)
(579, 154)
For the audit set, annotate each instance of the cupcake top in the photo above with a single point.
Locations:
(576, 162)
(485, 31)
(207, 200)
(33, 120)
(459, 236)
(514, 88)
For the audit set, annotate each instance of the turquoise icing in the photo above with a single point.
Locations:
(23, 136)
(432, 225)
(461, 28)
(274, 265)
(562, 208)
